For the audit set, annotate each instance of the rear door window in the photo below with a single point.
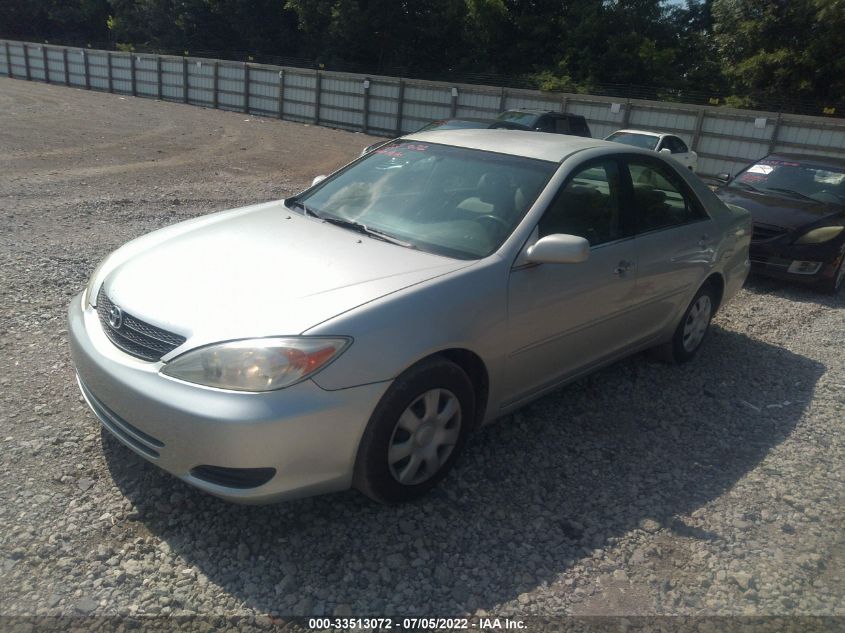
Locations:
(661, 199)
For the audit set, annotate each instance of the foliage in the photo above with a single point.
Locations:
(760, 51)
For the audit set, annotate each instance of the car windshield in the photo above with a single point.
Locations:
(645, 141)
(454, 124)
(791, 177)
(528, 119)
(457, 202)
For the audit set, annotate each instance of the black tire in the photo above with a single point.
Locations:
(374, 475)
(676, 350)
(834, 284)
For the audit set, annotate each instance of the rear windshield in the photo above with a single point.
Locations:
(527, 119)
(457, 202)
(454, 124)
(644, 141)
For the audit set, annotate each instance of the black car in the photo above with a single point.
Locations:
(544, 121)
(797, 203)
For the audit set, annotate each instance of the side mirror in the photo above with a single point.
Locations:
(724, 177)
(666, 150)
(318, 180)
(559, 249)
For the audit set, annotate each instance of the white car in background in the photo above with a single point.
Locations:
(658, 142)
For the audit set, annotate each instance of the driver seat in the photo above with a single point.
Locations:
(494, 196)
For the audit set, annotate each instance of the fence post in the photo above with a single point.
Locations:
(775, 131)
(503, 100)
(400, 107)
(108, 65)
(132, 79)
(26, 61)
(8, 59)
(281, 94)
(214, 86)
(366, 112)
(158, 77)
(65, 67)
(318, 87)
(46, 64)
(696, 136)
(454, 104)
(626, 117)
(184, 80)
(246, 87)
(87, 74)
(564, 101)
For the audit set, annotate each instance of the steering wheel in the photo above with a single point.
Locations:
(826, 195)
(493, 223)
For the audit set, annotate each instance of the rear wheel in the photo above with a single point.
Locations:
(416, 432)
(693, 328)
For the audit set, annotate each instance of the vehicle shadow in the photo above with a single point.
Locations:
(794, 291)
(533, 494)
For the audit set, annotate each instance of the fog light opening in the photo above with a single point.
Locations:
(241, 478)
(804, 268)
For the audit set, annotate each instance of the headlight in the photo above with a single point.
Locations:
(91, 289)
(263, 364)
(819, 235)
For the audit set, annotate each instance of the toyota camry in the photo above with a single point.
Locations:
(357, 334)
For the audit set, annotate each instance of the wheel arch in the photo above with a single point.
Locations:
(717, 282)
(474, 367)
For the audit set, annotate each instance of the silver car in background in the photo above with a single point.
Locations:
(355, 334)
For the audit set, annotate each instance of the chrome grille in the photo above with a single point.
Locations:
(134, 336)
(762, 232)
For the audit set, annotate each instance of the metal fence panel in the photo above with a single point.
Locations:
(36, 63)
(726, 139)
(55, 65)
(17, 57)
(76, 67)
(146, 76)
(121, 73)
(98, 70)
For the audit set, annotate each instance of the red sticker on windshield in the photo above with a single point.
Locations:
(390, 152)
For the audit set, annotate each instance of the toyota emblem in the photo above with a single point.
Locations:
(115, 317)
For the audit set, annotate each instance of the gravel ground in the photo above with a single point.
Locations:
(715, 488)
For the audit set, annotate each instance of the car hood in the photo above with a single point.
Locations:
(786, 211)
(259, 271)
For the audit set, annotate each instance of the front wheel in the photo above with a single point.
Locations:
(834, 284)
(416, 432)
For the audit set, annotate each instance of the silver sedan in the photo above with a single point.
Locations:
(357, 333)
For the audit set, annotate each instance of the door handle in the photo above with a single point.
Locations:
(622, 267)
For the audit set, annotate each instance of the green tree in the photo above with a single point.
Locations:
(782, 50)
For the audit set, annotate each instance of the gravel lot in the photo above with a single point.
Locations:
(714, 488)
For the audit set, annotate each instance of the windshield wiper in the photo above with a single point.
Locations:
(792, 192)
(739, 183)
(295, 202)
(366, 230)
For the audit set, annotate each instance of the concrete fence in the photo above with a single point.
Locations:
(725, 139)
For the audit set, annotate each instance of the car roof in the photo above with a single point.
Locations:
(822, 161)
(643, 132)
(538, 145)
(540, 111)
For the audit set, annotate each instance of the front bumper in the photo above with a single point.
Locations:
(308, 435)
(774, 259)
